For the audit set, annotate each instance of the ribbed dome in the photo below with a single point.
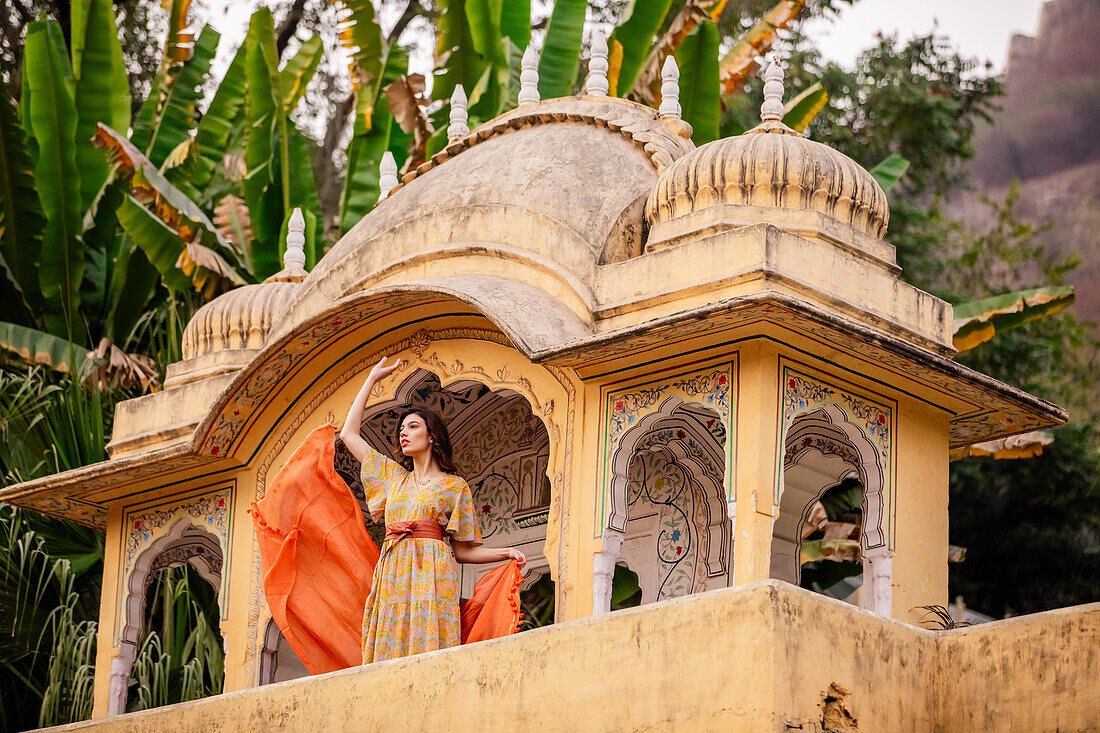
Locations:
(770, 166)
(239, 319)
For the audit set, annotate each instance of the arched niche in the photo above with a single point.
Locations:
(822, 449)
(500, 446)
(454, 355)
(278, 660)
(184, 542)
(669, 520)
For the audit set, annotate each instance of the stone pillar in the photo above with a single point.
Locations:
(758, 456)
(603, 571)
(878, 578)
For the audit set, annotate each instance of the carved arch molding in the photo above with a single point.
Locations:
(493, 367)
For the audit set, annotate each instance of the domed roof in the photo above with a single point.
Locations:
(775, 167)
(242, 318)
(239, 319)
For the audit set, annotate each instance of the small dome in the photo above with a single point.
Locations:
(239, 319)
(775, 167)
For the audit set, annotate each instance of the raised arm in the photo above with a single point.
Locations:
(350, 432)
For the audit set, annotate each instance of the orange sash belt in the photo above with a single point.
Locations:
(424, 528)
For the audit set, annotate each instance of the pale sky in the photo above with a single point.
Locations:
(980, 28)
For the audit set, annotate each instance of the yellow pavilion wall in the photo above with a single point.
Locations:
(764, 657)
(322, 392)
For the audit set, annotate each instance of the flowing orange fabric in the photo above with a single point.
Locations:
(317, 562)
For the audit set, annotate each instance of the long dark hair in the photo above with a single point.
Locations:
(440, 440)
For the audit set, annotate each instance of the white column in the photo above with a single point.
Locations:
(603, 571)
(878, 578)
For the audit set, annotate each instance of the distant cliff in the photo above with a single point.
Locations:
(1047, 135)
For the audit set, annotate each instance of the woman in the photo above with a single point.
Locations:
(413, 601)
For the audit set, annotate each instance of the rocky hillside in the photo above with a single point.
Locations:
(1048, 137)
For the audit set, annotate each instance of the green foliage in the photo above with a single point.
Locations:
(47, 606)
(180, 658)
(699, 100)
(560, 57)
(20, 219)
(52, 111)
(1031, 527)
(635, 35)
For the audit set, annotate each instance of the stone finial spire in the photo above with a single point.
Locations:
(772, 108)
(459, 127)
(529, 77)
(387, 175)
(294, 258)
(670, 89)
(597, 86)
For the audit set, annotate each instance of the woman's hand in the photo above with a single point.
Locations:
(382, 370)
(466, 552)
(519, 557)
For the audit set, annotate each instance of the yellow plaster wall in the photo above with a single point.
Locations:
(106, 650)
(920, 529)
(764, 657)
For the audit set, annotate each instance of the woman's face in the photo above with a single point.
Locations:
(413, 436)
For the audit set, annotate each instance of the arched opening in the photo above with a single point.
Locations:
(670, 498)
(171, 648)
(278, 661)
(830, 524)
(501, 448)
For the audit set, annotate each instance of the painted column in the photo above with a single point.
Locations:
(919, 561)
(758, 453)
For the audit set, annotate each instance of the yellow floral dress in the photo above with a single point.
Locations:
(413, 601)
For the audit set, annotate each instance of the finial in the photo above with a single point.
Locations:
(772, 108)
(294, 258)
(529, 77)
(670, 89)
(597, 86)
(459, 127)
(387, 175)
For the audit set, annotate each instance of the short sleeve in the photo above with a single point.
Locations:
(462, 525)
(377, 475)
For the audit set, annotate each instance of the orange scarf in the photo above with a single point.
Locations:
(317, 574)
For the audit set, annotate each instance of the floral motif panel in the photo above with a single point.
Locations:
(211, 511)
(659, 485)
(874, 419)
(708, 392)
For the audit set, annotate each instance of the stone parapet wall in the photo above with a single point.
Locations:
(763, 657)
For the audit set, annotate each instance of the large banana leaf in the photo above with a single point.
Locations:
(102, 89)
(133, 281)
(177, 50)
(39, 347)
(693, 12)
(483, 17)
(361, 36)
(371, 140)
(222, 123)
(739, 64)
(153, 200)
(52, 111)
(635, 35)
(179, 113)
(799, 112)
(303, 195)
(1027, 445)
(890, 171)
(515, 22)
(455, 53)
(561, 49)
(980, 320)
(20, 213)
(299, 70)
(266, 183)
(699, 102)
